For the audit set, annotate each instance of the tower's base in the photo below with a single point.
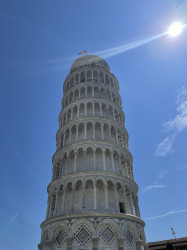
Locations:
(106, 232)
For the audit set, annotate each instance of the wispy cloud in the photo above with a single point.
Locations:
(151, 187)
(181, 168)
(162, 174)
(174, 126)
(167, 214)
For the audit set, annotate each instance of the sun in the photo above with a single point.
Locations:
(175, 29)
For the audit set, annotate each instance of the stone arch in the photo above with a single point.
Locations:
(82, 92)
(89, 76)
(77, 78)
(67, 136)
(96, 91)
(81, 131)
(130, 234)
(106, 79)
(99, 159)
(89, 161)
(95, 76)
(60, 231)
(64, 164)
(71, 162)
(109, 231)
(103, 94)
(106, 132)
(110, 112)
(69, 115)
(72, 82)
(104, 110)
(111, 196)
(89, 91)
(113, 134)
(80, 228)
(78, 196)
(97, 109)
(82, 110)
(89, 130)
(100, 195)
(116, 162)
(80, 160)
(73, 133)
(108, 160)
(120, 198)
(108, 95)
(82, 77)
(76, 94)
(89, 109)
(101, 77)
(45, 236)
(71, 97)
(89, 196)
(68, 200)
(98, 133)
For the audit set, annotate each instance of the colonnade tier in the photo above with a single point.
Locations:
(96, 129)
(88, 74)
(91, 108)
(92, 194)
(91, 90)
(92, 159)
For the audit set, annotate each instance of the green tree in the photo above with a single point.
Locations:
(169, 246)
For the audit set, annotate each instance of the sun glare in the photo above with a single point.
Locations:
(175, 29)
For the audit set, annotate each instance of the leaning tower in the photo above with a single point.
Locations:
(92, 197)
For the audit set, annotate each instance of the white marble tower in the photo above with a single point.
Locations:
(92, 197)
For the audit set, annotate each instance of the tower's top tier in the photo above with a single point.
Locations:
(89, 60)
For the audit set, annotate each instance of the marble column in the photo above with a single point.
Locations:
(106, 196)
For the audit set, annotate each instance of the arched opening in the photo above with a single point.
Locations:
(75, 110)
(106, 79)
(95, 76)
(89, 196)
(113, 134)
(103, 93)
(110, 111)
(89, 109)
(111, 197)
(82, 110)
(71, 97)
(73, 133)
(120, 198)
(108, 161)
(96, 92)
(101, 76)
(116, 163)
(78, 196)
(98, 135)
(82, 93)
(71, 162)
(89, 91)
(69, 115)
(82, 77)
(76, 94)
(64, 165)
(89, 161)
(89, 76)
(81, 131)
(77, 79)
(97, 109)
(80, 160)
(99, 159)
(104, 110)
(100, 196)
(67, 134)
(68, 201)
(106, 132)
(108, 95)
(89, 130)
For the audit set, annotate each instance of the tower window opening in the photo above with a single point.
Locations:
(121, 207)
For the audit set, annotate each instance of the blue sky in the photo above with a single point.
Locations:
(39, 42)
